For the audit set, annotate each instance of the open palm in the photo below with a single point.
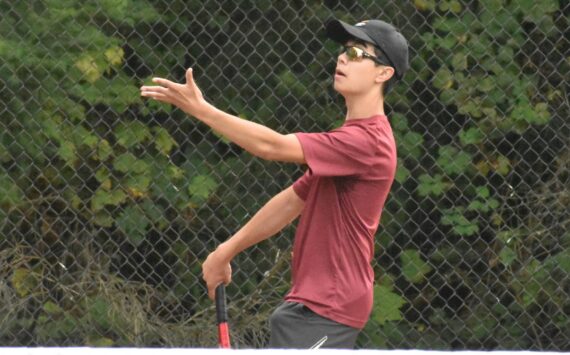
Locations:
(187, 97)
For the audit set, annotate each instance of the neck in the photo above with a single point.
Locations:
(364, 106)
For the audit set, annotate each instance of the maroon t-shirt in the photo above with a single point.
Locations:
(350, 173)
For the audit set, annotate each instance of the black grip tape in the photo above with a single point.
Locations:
(221, 310)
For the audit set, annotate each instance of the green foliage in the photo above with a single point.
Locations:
(435, 185)
(108, 203)
(387, 305)
(414, 268)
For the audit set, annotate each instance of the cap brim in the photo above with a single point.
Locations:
(341, 32)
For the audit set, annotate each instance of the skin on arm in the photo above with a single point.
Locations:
(257, 139)
(277, 213)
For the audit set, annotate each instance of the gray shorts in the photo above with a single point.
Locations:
(293, 325)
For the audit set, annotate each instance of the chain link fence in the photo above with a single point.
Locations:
(109, 203)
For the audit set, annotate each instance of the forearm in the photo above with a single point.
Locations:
(270, 219)
(254, 138)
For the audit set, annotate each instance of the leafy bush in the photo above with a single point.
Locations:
(108, 203)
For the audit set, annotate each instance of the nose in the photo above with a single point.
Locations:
(342, 58)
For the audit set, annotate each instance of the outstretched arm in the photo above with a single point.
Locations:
(255, 138)
(281, 210)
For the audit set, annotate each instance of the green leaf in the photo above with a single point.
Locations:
(443, 79)
(487, 84)
(119, 92)
(154, 212)
(507, 256)
(453, 161)
(163, 141)
(387, 305)
(67, 152)
(455, 6)
(414, 268)
(98, 309)
(128, 163)
(114, 55)
(89, 67)
(52, 127)
(459, 61)
(103, 176)
(132, 133)
(51, 308)
(10, 193)
(201, 187)
(103, 218)
(542, 114)
(502, 165)
(24, 281)
(432, 185)
(133, 223)
(460, 224)
(476, 206)
(402, 173)
(563, 261)
(83, 137)
(103, 198)
(483, 191)
(448, 96)
(492, 6)
(104, 150)
(115, 9)
(409, 145)
(472, 135)
(137, 185)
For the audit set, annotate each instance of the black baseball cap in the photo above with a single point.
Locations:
(381, 34)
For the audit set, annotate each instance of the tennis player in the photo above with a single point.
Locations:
(339, 198)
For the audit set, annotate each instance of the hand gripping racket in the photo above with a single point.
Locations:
(222, 317)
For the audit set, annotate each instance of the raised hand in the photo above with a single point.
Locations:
(187, 97)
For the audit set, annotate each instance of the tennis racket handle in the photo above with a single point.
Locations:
(221, 310)
(222, 318)
(224, 336)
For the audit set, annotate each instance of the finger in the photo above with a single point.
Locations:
(212, 292)
(164, 82)
(189, 76)
(159, 97)
(228, 278)
(154, 94)
(153, 87)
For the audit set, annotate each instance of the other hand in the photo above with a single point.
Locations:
(216, 270)
(187, 97)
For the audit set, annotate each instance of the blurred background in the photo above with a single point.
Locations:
(109, 203)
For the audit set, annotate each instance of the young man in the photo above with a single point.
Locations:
(340, 197)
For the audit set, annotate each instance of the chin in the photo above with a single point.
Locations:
(338, 88)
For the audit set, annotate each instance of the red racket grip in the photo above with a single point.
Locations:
(222, 318)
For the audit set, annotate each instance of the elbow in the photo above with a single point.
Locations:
(267, 152)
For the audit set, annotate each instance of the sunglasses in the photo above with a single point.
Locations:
(356, 54)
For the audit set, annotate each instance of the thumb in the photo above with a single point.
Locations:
(228, 276)
(189, 76)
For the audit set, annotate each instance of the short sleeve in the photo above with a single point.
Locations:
(303, 184)
(342, 152)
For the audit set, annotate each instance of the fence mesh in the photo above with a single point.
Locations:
(109, 203)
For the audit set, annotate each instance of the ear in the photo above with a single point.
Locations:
(384, 74)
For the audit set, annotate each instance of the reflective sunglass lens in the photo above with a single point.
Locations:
(353, 53)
